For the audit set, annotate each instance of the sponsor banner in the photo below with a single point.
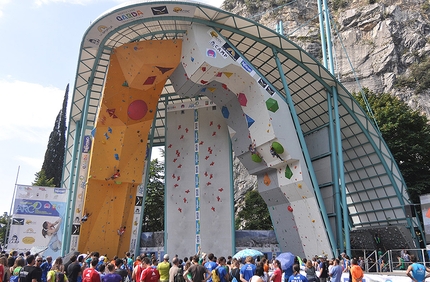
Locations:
(78, 212)
(191, 105)
(37, 220)
(110, 22)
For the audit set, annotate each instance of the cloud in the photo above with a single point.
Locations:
(2, 4)
(31, 109)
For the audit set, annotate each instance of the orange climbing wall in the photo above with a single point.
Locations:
(136, 77)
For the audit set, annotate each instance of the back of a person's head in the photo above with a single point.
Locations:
(27, 253)
(96, 254)
(249, 259)
(73, 258)
(94, 262)
(413, 258)
(146, 260)
(296, 268)
(110, 267)
(196, 259)
(30, 259)
(118, 262)
(127, 254)
(210, 256)
(354, 261)
(175, 261)
(259, 271)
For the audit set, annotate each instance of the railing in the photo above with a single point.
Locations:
(372, 259)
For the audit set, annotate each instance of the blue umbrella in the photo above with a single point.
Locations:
(247, 252)
(286, 260)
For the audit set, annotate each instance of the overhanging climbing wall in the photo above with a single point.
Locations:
(136, 77)
(257, 118)
(199, 202)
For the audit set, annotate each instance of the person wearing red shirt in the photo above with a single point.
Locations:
(91, 274)
(277, 273)
(149, 274)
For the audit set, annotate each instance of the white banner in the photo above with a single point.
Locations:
(37, 220)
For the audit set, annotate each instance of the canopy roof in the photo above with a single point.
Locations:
(376, 193)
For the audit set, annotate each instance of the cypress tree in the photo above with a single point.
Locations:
(54, 155)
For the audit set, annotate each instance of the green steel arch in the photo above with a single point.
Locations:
(373, 189)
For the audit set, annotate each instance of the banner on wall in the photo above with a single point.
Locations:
(37, 220)
(425, 208)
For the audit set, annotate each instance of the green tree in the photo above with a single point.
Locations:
(54, 155)
(407, 134)
(153, 219)
(42, 180)
(254, 215)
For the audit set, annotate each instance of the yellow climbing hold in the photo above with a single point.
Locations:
(266, 179)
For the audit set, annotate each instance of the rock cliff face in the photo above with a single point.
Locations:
(376, 45)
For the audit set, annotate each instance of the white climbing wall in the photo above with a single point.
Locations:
(255, 113)
(199, 207)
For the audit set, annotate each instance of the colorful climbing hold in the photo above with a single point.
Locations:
(256, 158)
(272, 105)
(249, 120)
(288, 172)
(225, 112)
(137, 109)
(278, 147)
(242, 99)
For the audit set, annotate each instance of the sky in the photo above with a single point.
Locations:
(39, 50)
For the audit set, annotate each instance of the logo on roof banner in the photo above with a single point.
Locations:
(246, 67)
(103, 29)
(160, 10)
(218, 48)
(210, 53)
(94, 41)
(129, 15)
(233, 54)
(180, 10)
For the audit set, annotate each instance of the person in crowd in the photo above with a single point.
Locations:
(111, 275)
(417, 271)
(310, 271)
(277, 272)
(198, 271)
(32, 271)
(91, 274)
(57, 269)
(174, 270)
(163, 268)
(247, 270)
(356, 271)
(46, 267)
(74, 269)
(336, 271)
(297, 277)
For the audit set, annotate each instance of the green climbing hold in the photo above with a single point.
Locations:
(125, 84)
(256, 158)
(288, 172)
(277, 147)
(118, 182)
(272, 105)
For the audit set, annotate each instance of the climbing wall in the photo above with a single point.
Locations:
(137, 74)
(199, 202)
(262, 132)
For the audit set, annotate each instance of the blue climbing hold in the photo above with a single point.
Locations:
(249, 120)
(225, 112)
(116, 157)
(109, 130)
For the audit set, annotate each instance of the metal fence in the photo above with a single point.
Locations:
(378, 261)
